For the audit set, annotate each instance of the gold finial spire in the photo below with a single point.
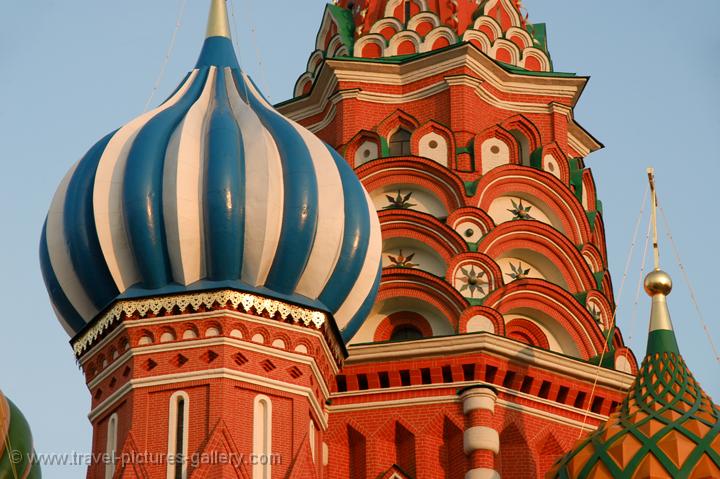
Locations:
(658, 285)
(218, 23)
(656, 249)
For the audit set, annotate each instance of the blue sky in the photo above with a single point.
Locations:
(73, 71)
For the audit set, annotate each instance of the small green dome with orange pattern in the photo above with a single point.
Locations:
(16, 444)
(666, 428)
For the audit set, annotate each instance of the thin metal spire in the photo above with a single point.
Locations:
(656, 248)
(658, 285)
(218, 22)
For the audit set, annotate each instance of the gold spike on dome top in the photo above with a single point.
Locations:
(218, 22)
(658, 285)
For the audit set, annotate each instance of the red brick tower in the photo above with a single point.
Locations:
(491, 345)
(206, 258)
(235, 383)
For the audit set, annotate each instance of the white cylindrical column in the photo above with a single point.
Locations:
(481, 440)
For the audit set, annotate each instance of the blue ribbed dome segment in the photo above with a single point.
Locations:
(212, 189)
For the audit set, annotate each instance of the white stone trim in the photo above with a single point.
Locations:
(393, 4)
(336, 45)
(424, 401)
(482, 473)
(316, 58)
(490, 344)
(527, 39)
(219, 373)
(325, 25)
(593, 352)
(576, 228)
(449, 186)
(381, 24)
(481, 438)
(462, 56)
(577, 143)
(142, 307)
(482, 398)
(374, 38)
(302, 81)
(569, 261)
(584, 146)
(430, 17)
(437, 33)
(489, 22)
(200, 316)
(509, 9)
(430, 287)
(389, 98)
(509, 46)
(465, 56)
(312, 440)
(111, 446)
(205, 343)
(400, 37)
(486, 44)
(172, 432)
(262, 436)
(537, 54)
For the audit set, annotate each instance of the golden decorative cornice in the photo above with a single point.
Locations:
(207, 299)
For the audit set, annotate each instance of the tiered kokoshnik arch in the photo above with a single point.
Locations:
(494, 258)
(374, 29)
(17, 455)
(466, 157)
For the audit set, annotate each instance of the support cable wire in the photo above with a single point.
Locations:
(9, 449)
(615, 310)
(168, 54)
(258, 55)
(236, 42)
(235, 31)
(12, 452)
(641, 282)
(686, 277)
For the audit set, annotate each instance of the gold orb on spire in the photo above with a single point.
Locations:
(658, 282)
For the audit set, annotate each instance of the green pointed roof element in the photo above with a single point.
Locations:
(667, 427)
(17, 457)
(346, 25)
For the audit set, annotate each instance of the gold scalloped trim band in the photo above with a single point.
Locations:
(246, 301)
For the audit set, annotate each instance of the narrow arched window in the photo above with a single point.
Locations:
(400, 143)
(523, 146)
(178, 435)
(262, 437)
(311, 440)
(111, 446)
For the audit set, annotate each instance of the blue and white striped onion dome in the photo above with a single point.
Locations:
(213, 189)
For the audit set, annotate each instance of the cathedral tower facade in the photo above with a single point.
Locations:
(433, 301)
(492, 345)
